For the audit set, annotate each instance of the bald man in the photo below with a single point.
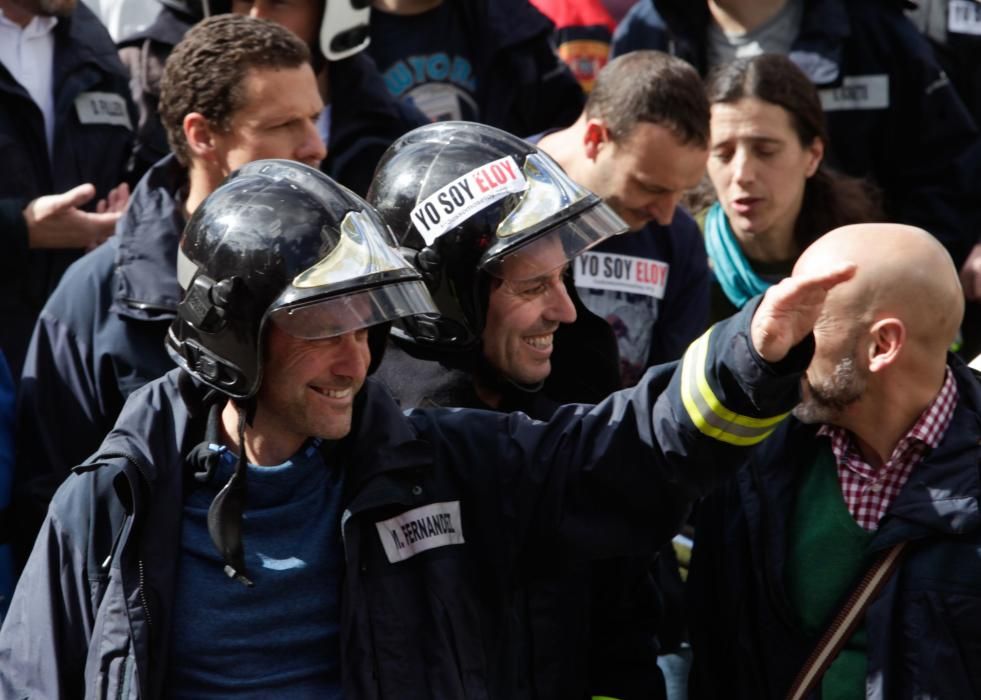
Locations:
(885, 448)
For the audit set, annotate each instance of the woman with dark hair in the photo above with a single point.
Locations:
(775, 195)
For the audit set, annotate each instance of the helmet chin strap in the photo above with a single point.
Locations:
(225, 512)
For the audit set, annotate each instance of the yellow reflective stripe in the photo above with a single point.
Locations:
(707, 412)
(603, 697)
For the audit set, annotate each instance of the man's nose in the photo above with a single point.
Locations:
(560, 306)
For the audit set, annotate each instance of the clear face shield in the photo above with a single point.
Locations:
(555, 221)
(383, 285)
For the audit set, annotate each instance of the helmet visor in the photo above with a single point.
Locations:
(556, 246)
(331, 316)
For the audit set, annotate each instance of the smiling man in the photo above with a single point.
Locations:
(499, 269)
(497, 253)
(235, 90)
(265, 521)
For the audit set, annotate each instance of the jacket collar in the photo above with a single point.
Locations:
(83, 39)
(381, 440)
(145, 282)
(942, 493)
(941, 496)
(818, 49)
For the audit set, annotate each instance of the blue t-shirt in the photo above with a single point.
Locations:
(427, 59)
(279, 638)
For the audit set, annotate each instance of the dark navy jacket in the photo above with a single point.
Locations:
(91, 616)
(85, 61)
(922, 149)
(365, 120)
(591, 626)
(924, 630)
(99, 338)
(522, 86)
(144, 55)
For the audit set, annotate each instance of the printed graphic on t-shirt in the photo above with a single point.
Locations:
(626, 291)
(441, 86)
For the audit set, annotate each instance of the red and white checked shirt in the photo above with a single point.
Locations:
(869, 492)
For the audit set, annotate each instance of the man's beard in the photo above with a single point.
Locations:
(825, 401)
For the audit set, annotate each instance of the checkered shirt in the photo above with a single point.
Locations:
(868, 491)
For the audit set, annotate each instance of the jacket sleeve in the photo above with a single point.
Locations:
(641, 28)
(617, 479)
(61, 419)
(45, 635)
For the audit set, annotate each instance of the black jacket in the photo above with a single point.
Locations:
(99, 338)
(591, 626)
(922, 149)
(522, 85)
(85, 61)
(91, 615)
(924, 629)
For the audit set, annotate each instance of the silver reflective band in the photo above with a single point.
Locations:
(557, 246)
(326, 318)
(364, 248)
(549, 191)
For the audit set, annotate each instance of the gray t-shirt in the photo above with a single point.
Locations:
(776, 35)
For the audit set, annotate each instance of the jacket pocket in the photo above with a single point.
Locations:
(119, 680)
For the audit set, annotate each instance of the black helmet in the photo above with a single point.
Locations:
(462, 198)
(282, 241)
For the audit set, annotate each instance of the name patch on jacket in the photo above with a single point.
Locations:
(857, 92)
(465, 196)
(964, 17)
(621, 273)
(102, 108)
(421, 529)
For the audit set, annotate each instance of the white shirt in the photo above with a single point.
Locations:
(28, 54)
(123, 18)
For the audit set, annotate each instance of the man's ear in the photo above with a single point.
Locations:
(200, 136)
(595, 137)
(888, 338)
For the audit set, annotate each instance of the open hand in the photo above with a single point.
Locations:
(55, 220)
(790, 309)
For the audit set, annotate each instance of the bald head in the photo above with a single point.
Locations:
(903, 272)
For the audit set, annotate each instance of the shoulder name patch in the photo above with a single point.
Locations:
(421, 529)
(102, 108)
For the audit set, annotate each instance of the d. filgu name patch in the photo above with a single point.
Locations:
(421, 529)
(465, 196)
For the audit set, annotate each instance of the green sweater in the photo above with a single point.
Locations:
(828, 554)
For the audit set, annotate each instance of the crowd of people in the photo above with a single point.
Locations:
(390, 360)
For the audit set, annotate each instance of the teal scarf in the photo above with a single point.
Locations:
(732, 269)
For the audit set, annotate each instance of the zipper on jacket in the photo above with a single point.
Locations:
(115, 544)
(143, 601)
